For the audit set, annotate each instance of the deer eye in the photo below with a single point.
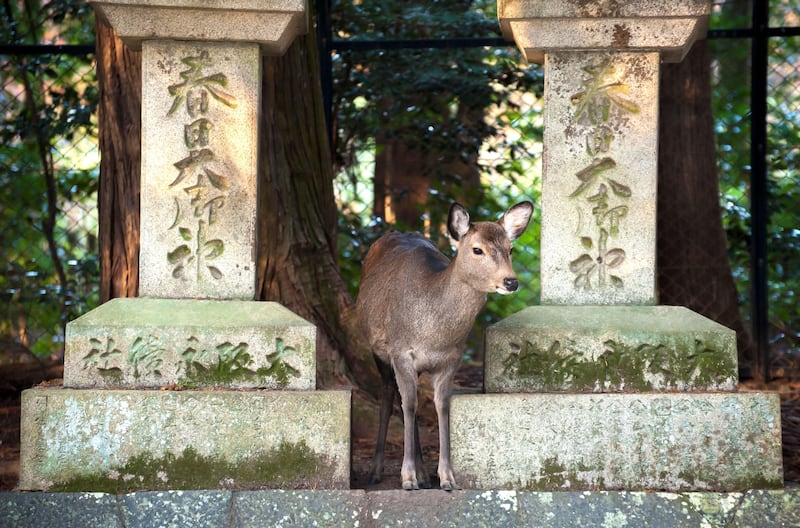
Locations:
(477, 251)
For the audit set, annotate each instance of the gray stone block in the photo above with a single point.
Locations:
(658, 25)
(272, 24)
(121, 440)
(670, 441)
(599, 178)
(334, 509)
(200, 105)
(174, 509)
(609, 349)
(429, 508)
(142, 342)
(629, 509)
(437, 508)
(61, 510)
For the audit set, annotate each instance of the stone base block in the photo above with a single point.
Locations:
(378, 509)
(119, 441)
(675, 442)
(143, 342)
(609, 349)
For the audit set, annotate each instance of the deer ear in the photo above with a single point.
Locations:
(457, 221)
(516, 219)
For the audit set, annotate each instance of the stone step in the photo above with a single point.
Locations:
(143, 342)
(609, 349)
(653, 441)
(429, 508)
(124, 440)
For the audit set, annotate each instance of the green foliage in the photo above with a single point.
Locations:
(731, 106)
(476, 106)
(47, 168)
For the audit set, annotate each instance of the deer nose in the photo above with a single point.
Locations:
(511, 284)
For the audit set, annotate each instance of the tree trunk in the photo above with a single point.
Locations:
(693, 268)
(119, 112)
(297, 264)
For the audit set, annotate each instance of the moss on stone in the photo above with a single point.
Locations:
(620, 367)
(289, 465)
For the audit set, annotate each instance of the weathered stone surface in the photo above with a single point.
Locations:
(665, 26)
(478, 509)
(62, 510)
(140, 342)
(429, 508)
(122, 440)
(200, 104)
(670, 441)
(206, 508)
(599, 178)
(273, 24)
(257, 509)
(609, 349)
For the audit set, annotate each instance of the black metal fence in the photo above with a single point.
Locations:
(49, 168)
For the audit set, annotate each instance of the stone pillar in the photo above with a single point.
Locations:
(599, 389)
(599, 176)
(136, 411)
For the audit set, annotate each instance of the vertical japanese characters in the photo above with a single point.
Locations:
(601, 102)
(201, 186)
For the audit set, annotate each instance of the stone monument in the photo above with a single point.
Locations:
(600, 388)
(194, 384)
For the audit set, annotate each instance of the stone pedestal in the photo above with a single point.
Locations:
(130, 440)
(652, 441)
(137, 343)
(609, 349)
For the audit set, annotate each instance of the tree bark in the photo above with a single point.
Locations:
(297, 264)
(119, 116)
(692, 255)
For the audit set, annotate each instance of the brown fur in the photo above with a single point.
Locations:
(416, 308)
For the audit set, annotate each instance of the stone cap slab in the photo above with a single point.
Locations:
(273, 24)
(144, 342)
(119, 441)
(609, 349)
(540, 26)
(652, 441)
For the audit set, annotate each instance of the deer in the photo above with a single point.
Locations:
(416, 308)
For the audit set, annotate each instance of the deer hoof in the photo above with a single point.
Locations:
(410, 485)
(449, 486)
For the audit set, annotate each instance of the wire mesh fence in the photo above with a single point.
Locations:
(48, 178)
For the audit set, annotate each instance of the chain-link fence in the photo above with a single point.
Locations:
(48, 179)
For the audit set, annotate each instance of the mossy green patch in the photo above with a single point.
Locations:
(289, 465)
(234, 364)
(640, 368)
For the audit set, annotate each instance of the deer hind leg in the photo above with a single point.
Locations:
(423, 480)
(388, 391)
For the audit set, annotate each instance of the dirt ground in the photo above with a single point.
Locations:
(365, 414)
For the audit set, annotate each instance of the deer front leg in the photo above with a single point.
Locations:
(407, 377)
(441, 398)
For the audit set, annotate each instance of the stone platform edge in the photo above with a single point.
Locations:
(433, 508)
